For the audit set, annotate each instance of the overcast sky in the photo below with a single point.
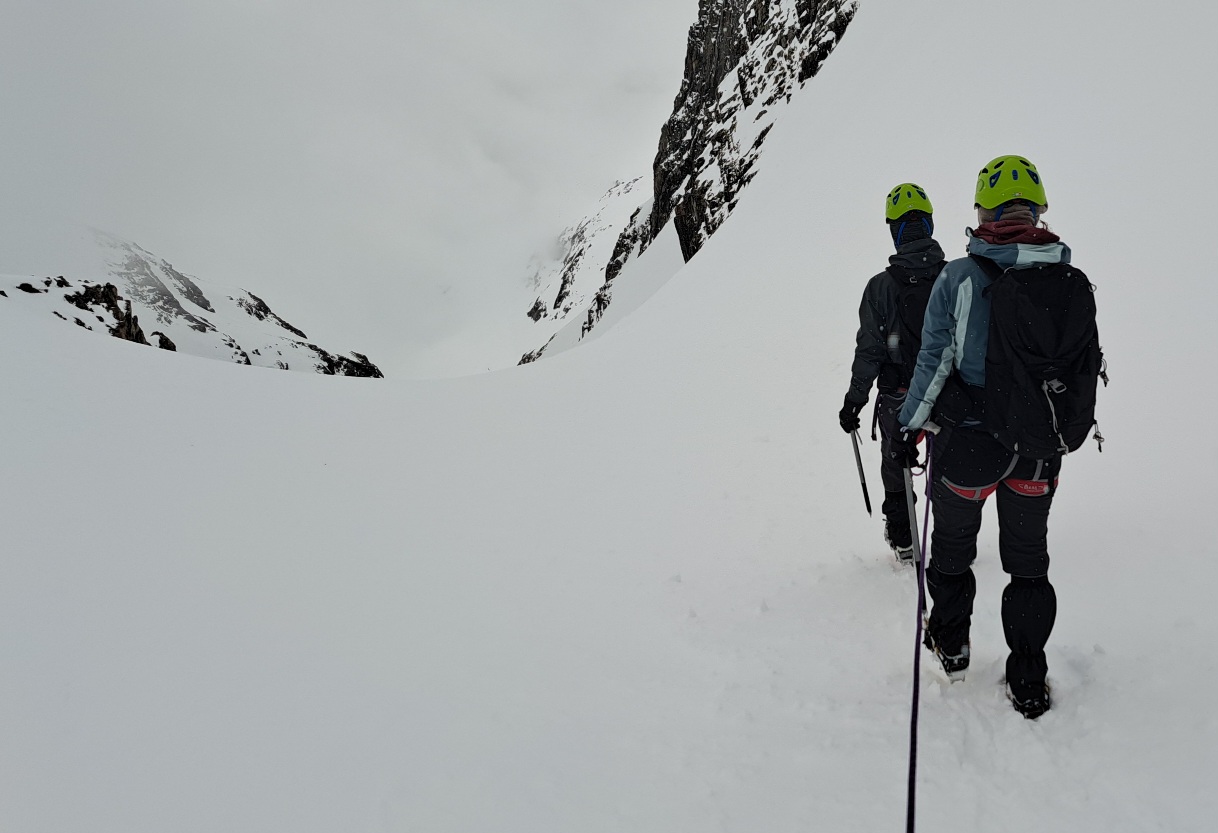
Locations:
(380, 171)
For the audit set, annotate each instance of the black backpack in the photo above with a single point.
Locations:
(912, 296)
(1043, 361)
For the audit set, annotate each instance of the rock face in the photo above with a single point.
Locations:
(744, 61)
(567, 279)
(105, 297)
(764, 50)
(224, 323)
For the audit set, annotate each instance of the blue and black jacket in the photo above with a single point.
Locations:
(956, 329)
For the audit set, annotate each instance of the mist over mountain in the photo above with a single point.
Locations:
(112, 286)
(380, 172)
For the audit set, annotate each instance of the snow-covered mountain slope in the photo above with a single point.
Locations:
(745, 59)
(567, 279)
(104, 284)
(632, 587)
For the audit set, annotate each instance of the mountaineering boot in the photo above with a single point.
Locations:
(1032, 706)
(954, 661)
(896, 526)
(899, 538)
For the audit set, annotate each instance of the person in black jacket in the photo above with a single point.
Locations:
(889, 337)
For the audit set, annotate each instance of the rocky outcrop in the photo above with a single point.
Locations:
(744, 60)
(533, 355)
(257, 307)
(128, 327)
(105, 298)
(567, 280)
(165, 343)
(235, 326)
(358, 365)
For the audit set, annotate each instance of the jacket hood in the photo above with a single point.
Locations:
(1018, 255)
(917, 261)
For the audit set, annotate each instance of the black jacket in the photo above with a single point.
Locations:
(921, 260)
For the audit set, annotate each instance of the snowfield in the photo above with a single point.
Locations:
(631, 586)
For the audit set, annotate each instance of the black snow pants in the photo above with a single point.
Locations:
(969, 466)
(896, 513)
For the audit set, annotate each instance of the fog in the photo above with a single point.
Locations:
(380, 172)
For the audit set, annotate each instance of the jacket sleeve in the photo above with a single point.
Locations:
(938, 354)
(870, 350)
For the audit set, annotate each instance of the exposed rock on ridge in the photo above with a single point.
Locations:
(126, 324)
(567, 279)
(228, 324)
(744, 60)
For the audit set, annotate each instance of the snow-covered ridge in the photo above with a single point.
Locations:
(125, 285)
(573, 275)
(574, 271)
(744, 61)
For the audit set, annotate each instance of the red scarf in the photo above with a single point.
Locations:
(1014, 231)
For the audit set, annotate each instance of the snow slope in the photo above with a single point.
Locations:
(631, 587)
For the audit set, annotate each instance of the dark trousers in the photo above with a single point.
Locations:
(971, 467)
(896, 512)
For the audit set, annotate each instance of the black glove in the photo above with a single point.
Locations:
(848, 416)
(903, 448)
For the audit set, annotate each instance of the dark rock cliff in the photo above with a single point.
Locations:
(106, 298)
(744, 59)
(763, 50)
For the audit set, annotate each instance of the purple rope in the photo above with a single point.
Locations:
(917, 675)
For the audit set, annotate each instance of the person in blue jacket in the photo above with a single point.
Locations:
(969, 463)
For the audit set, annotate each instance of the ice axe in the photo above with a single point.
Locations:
(858, 458)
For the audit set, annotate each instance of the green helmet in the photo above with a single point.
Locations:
(904, 198)
(1009, 178)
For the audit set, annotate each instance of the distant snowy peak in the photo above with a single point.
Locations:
(133, 291)
(567, 280)
(744, 61)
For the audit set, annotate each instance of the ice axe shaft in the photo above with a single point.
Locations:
(913, 518)
(858, 458)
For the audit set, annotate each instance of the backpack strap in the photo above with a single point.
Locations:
(989, 267)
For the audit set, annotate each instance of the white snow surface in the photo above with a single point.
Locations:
(640, 279)
(632, 587)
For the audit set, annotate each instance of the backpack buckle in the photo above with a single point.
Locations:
(1055, 386)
